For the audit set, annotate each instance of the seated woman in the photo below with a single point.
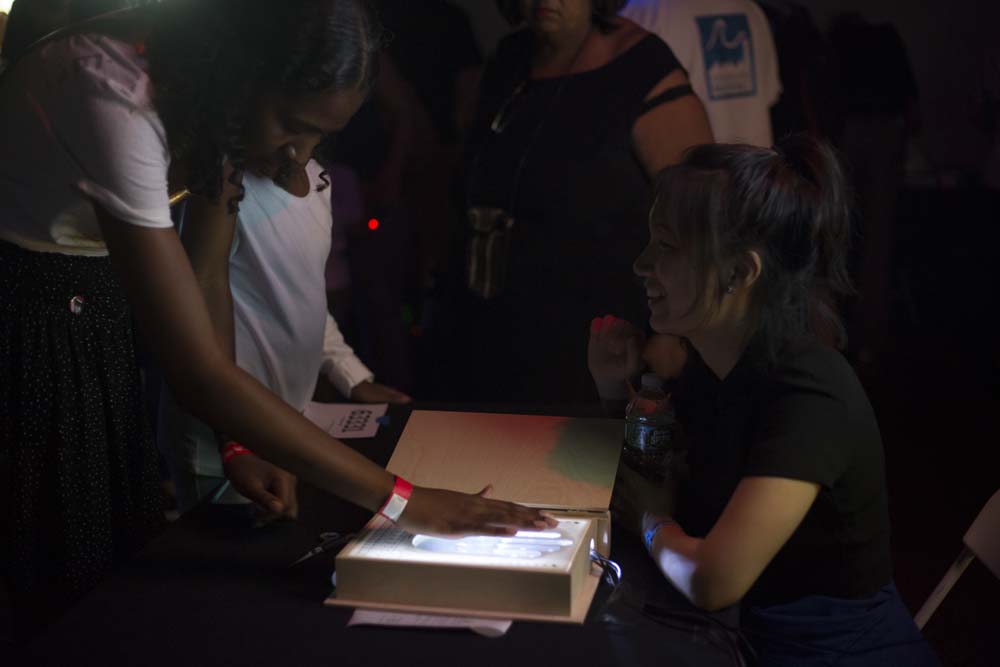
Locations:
(784, 507)
(283, 335)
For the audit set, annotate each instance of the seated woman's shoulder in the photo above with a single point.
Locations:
(816, 362)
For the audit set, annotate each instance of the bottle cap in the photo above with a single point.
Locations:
(651, 381)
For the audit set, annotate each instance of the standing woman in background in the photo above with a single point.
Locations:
(577, 111)
(99, 125)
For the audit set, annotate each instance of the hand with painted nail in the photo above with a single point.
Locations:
(614, 356)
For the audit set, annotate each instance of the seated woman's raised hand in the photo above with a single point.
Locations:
(613, 356)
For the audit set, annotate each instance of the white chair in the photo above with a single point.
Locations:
(982, 541)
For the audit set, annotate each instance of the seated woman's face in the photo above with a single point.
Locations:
(669, 276)
(556, 16)
(284, 130)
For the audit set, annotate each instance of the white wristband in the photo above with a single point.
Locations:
(394, 505)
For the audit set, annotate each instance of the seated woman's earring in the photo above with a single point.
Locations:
(290, 152)
(730, 288)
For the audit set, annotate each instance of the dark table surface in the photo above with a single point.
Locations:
(214, 590)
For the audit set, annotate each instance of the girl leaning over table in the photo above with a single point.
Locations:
(100, 124)
(782, 508)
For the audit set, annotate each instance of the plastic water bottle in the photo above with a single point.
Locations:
(649, 429)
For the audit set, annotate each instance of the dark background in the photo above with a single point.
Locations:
(935, 389)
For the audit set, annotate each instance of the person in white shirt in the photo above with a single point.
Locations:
(283, 333)
(728, 51)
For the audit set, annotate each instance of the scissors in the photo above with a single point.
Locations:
(327, 541)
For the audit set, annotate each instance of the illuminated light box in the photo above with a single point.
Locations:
(564, 465)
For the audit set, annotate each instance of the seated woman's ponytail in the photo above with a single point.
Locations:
(790, 205)
(817, 162)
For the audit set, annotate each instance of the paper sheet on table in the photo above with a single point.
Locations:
(483, 626)
(346, 420)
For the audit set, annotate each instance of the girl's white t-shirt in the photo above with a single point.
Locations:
(79, 126)
(284, 335)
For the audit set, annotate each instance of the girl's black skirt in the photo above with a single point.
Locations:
(79, 479)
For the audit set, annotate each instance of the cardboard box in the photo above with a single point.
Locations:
(565, 465)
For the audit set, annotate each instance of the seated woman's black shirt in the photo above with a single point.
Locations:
(806, 417)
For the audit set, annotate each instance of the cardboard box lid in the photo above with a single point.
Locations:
(557, 462)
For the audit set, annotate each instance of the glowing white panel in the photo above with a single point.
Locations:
(533, 571)
(519, 546)
(529, 549)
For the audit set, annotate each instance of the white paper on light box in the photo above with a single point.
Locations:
(346, 420)
(488, 627)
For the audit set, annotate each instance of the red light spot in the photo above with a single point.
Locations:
(373, 224)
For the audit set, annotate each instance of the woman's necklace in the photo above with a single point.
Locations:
(533, 139)
(502, 117)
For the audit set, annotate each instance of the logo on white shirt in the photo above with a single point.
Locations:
(727, 48)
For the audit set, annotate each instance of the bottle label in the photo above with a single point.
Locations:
(646, 437)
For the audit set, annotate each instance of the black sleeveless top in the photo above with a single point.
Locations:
(564, 167)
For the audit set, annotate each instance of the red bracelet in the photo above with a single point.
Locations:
(394, 505)
(231, 449)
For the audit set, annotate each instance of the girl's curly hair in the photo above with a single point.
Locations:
(208, 59)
